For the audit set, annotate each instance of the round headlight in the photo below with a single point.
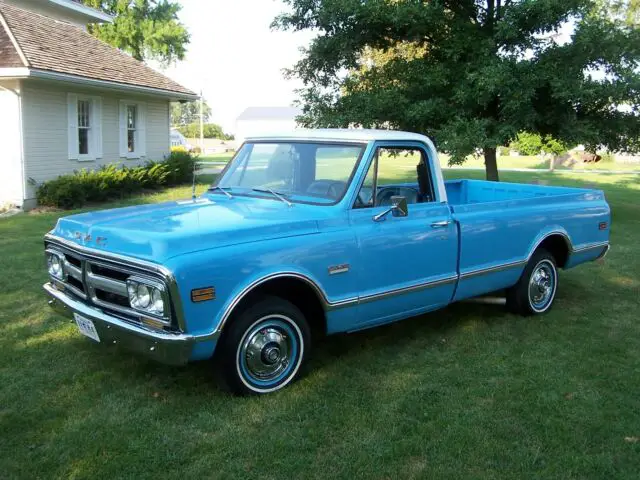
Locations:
(143, 296)
(54, 264)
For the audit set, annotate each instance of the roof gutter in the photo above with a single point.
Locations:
(93, 82)
(96, 15)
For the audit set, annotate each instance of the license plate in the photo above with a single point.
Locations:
(86, 327)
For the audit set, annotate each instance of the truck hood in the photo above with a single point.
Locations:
(157, 232)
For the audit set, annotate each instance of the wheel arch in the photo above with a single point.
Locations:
(297, 288)
(557, 243)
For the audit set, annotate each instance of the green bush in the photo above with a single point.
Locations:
(112, 181)
(180, 166)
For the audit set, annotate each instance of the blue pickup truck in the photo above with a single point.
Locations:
(313, 233)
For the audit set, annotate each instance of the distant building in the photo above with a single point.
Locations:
(179, 140)
(264, 120)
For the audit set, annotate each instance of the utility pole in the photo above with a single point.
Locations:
(201, 123)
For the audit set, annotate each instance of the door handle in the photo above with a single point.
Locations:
(442, 224)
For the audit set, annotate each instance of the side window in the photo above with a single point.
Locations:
(396, 172)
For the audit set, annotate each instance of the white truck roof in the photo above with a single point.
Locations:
(344, 134)
(360, 135)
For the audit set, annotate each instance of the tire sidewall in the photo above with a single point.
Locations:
(262, 310)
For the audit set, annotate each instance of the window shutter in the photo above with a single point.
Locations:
(72, 120)
(96, 126)
(141, 148)
(123, 129)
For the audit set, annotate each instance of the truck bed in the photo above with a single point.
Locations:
(465, 192)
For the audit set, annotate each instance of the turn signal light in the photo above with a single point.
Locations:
(203, 294)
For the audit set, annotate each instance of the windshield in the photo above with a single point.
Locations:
(305, 172)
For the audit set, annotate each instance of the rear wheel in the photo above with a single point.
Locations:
(536, 289)
(265, 346)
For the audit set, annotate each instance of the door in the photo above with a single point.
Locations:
(407, 264)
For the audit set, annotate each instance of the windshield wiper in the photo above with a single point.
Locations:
(222, 189)
(275, 194)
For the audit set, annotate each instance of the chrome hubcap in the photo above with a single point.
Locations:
(541, 285)
(266, 351)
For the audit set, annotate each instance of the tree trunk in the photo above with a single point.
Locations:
(491, 164)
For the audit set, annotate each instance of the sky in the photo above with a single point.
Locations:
(235, 58)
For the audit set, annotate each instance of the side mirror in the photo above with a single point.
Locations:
(399, 208)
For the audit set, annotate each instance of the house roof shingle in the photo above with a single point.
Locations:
(55, 46)
(9, 56)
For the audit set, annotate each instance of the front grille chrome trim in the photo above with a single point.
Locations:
(107, 284)
(93, 283)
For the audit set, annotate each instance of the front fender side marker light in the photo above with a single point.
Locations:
(203, 294)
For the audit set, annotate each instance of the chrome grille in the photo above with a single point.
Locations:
(101, 284)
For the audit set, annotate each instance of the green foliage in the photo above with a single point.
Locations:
(180, 166)
(184, 113)
(112, 181)
(144, 28)
(471, 74)
(527, 143)
(210, 130)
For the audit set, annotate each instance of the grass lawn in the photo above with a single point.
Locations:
(467, 392)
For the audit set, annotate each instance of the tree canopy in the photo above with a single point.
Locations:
(184, 113)
(146, 29)
(210, 130)
(472, 74)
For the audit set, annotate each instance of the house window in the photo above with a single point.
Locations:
(132, 114)
(84, 126)
(84, 117)
(133, 129)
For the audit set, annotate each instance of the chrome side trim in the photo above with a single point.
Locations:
(493, 269)
(226, 314)
(590, 246)
(409, 289)
(328, 305)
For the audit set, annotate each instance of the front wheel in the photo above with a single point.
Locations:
(536, 289)
(265, 346)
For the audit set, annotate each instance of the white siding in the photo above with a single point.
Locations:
(45, 124)
(11, 182)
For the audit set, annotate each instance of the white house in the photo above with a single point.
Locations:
(69, 101)
(265, 120)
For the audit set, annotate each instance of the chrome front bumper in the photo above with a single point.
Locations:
(165, 347)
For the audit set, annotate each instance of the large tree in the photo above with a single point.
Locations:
(471, 74)
(184, 113)
(147, 29)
